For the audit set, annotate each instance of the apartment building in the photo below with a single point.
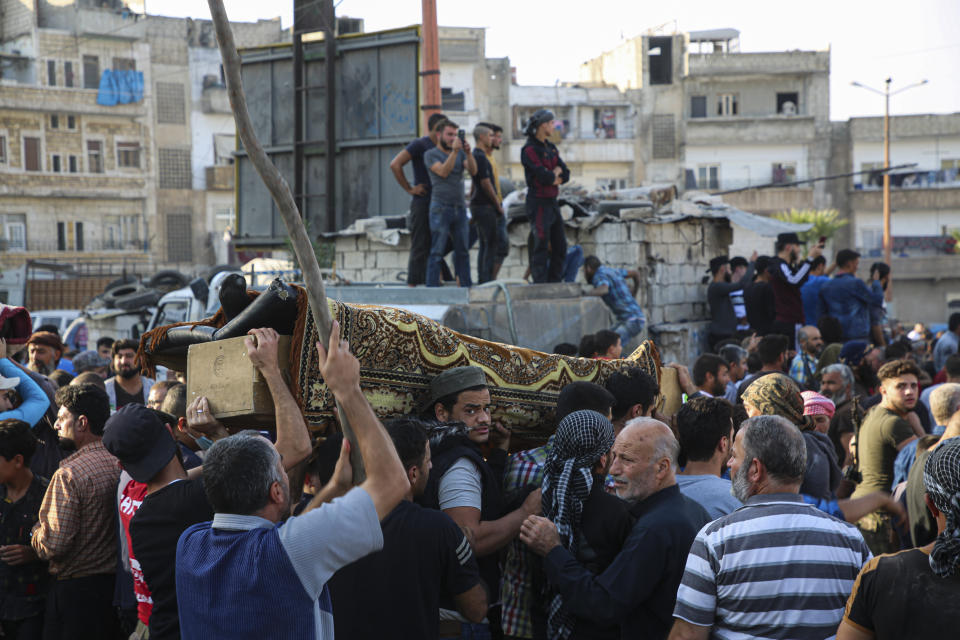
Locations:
(92, 170)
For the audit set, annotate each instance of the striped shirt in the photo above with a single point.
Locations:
(774, 568)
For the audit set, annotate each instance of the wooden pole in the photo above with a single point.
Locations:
(280, 191)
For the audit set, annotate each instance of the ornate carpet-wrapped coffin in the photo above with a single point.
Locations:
(400, 352)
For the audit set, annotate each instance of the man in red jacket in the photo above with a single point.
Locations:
(544, 172)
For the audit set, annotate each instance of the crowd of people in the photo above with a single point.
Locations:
(439, 223)
(808, 486)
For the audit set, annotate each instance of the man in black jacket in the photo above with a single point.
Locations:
(463, 484)
(638, 589)
(544, 172)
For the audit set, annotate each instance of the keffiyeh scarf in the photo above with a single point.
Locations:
(582, 438)
(941, 477)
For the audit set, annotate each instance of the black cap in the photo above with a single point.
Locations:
(716, 263)
(789, 238)
(138, 438)
(738, 261)
(538, 118)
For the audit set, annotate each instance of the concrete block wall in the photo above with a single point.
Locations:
(672, 258)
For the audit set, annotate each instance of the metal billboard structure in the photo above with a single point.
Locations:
(376, 114)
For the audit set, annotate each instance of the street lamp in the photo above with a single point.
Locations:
(886, 93)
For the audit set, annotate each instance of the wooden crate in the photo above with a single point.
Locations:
(237, 393)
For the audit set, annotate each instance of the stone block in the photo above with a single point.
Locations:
(677, 254)
(352, 260)
(610, 232)
(370, 259)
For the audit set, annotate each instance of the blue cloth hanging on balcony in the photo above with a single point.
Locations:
(108, 89)
(120, 87)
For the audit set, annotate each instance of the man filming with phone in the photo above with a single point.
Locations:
(448, 212)
(787, 274)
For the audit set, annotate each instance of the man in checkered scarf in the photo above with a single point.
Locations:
(941, 477)
(582, 439)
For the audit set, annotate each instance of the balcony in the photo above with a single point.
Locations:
(220, 177)
(740, 130)
(67, 99)
(786, 62)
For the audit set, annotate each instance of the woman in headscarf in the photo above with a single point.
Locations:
(592, 523)
(915, 593)
(777, 395)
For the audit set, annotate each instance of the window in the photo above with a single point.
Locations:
(179, 237)
(55, 165)
(15, 231)
(52, 73)
(788, 104)
(950, 163)
(54, 121)
(170, 103)
(660, 57)
(708, 176)
(871, 238)
(727, 104)
(171, 312)
(3, 149)
(68, 74)
(664, 137)
(128, 155)
(609, 184)
(452, 101)
(605, 123)
(31, 154)
(175, 168)
(69, 236)
(698, 106)
(124, 64)
(72, 164)
(72, 123)
(223, 219)
(94, 156)
(91, 72)
(784, 172)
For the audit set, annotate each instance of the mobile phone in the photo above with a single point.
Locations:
(462, 135)
(823, 240)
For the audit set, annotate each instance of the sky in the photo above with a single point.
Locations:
(547, 42)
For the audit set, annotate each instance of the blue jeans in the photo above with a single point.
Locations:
(626, 329)
(448, 220)
(571, 266)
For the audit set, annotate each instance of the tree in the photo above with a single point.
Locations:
(824, 221)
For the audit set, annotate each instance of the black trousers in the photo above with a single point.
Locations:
(548, 242)
(419, 241)
(81, 609)
(485, 222)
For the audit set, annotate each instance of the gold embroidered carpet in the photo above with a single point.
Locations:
(400, 352)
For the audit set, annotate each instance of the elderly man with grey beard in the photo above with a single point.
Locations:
(777, 567)
(837, 383)
(638, 588)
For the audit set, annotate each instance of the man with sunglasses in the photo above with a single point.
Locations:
(466, 485)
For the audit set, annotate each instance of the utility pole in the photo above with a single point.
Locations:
(887, 238)
(431, 60)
